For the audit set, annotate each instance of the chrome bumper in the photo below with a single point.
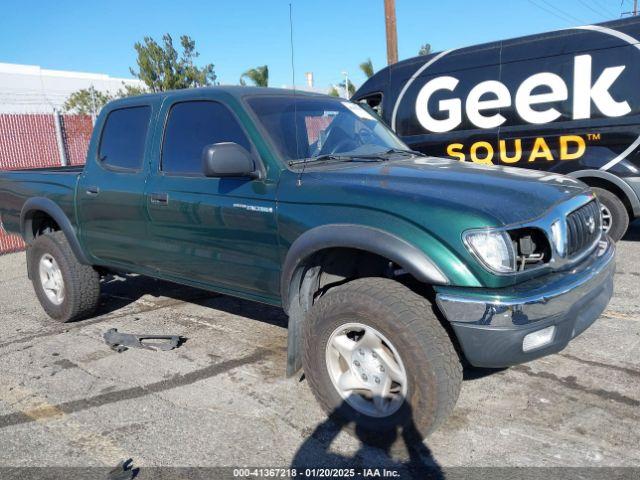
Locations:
(491, 324)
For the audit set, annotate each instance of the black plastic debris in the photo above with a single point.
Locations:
(122, 341)
(124, 471)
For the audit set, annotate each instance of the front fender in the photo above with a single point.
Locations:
(369, 239)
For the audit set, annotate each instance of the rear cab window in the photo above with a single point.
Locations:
(123, 138)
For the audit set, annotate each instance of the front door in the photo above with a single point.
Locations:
(219, 232)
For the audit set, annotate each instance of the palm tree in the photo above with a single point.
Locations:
(425, 49)
(367, 68)
(259, 76)
(350, 87)
(333, 91)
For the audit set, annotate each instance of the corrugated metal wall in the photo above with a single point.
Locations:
(29, 141)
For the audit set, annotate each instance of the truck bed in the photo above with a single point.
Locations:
(17, 186)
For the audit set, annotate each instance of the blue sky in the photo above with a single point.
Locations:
(330, 36)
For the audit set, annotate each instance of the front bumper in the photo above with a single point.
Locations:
(491, 324)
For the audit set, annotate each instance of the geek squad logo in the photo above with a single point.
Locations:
(533, 101)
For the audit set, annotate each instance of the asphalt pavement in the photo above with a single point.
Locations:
(221, 399)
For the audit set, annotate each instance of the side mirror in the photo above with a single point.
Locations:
(228, 159)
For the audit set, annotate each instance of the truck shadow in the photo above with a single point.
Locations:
(121, 291)
(401, 449)
(633, 234)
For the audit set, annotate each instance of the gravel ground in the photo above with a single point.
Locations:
(221, 399)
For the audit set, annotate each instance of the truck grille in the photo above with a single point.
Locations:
(584, 226)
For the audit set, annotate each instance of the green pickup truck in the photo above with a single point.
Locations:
(393, 267)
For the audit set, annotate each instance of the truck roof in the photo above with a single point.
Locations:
(237, 91)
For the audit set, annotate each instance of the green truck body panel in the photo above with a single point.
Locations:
(233, 234)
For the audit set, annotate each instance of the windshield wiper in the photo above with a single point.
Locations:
(339, 158)
(405, 151)
(384, 156)
(319, 158)
(346, 157)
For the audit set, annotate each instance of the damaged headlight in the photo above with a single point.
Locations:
(493, 249)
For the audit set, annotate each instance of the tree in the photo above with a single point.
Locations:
(367, 68)
(425, 49)
(259, 76)
(351, 88)
(333, 91)
(86, 101)
(161, 68)
(130, 90)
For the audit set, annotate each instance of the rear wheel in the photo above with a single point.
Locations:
(377, 358)
(66, 289)
(615, 218)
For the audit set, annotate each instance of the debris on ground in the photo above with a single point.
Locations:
(123, 341)
(124, 471)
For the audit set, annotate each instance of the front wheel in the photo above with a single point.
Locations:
(615, 218)
(376, 356)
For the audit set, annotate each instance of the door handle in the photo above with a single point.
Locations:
(159, 198)
(93, 191)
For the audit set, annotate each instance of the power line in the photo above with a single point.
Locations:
(597, 12)
(562, 16)
(562, 11)
(605, 7)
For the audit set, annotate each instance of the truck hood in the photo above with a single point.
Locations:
(502, 195)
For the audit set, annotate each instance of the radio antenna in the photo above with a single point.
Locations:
(295, 100)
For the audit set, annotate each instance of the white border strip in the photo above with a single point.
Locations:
(631, 41)
(610, 31)
(410, 81)
(622, 156)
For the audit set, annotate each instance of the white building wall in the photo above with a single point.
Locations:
(32, 89)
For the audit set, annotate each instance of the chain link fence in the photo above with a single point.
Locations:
(33, 135)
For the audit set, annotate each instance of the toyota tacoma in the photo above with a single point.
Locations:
(394, 268)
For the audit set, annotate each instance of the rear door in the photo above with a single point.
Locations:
(110, 200)
(219, 232)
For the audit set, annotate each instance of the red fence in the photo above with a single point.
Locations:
(76, 132)
(30, 141)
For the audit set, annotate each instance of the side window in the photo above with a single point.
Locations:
(192, 126)
(123, 138)
(374, 101)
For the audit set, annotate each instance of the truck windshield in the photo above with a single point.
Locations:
(305, 127)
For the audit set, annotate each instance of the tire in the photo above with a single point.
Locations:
(618, 212)
(407, 320)
(80, 283)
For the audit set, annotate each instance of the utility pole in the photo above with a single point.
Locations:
(634, 12)
(392, 34)
(93, 105)
(60, 138)
(346, 84)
